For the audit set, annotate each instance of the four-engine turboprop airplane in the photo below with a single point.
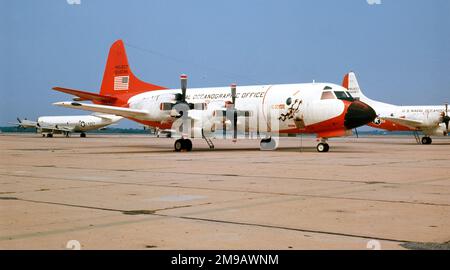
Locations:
(325, 109)
(430, 120)
(49, 125)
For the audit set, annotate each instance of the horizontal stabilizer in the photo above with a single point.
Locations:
(125, 112)
(83, 95)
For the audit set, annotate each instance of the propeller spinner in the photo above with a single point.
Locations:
(232, 114)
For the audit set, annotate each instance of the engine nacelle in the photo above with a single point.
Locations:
(439, 131)
(432, 119)
(153, 106)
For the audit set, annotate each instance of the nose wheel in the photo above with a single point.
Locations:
(426, 140)
(323, 147)
(183, 144)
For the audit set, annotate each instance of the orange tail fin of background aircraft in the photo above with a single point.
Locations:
(118, 84)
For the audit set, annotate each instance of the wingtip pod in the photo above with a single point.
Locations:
(61, 103)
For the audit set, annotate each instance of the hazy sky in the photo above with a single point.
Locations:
(400, 49)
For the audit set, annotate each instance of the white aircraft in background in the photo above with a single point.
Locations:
(430, 120)
(325, 109)
(49, 125)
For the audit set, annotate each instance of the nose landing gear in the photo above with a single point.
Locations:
(323, 146)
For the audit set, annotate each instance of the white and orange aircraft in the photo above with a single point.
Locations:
(430, 120)
(325, 109)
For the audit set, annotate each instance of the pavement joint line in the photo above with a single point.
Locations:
(55, 189)
(103, 208)
(242, 191)
(154, 213)
(286, 228)
(243, 176)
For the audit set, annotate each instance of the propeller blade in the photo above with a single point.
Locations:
(235, 116)
(233, 94)
(224, 124)
(183, 79)
(445, 117)
(18, 120)
(446, 120)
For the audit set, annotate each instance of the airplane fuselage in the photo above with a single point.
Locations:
(431, 120)
(429, 115)
(79, 123)
(73, 123)
(283, 108)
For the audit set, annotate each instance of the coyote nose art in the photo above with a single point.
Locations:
(358, 114)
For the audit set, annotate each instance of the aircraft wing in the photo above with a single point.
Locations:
(125, 112)
(68, 129)
(404, 122)
(111, 117)
(51, 128)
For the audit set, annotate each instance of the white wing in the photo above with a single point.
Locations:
(125, 112)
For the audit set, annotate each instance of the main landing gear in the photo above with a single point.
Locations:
(323, 146)
(426, 140)
(268, 144)
(183, 144)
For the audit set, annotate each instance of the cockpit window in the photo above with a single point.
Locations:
(344, 95)
(327, 88)
(328, 95)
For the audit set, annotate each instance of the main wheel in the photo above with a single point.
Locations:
(323, 147)
(268, 144)
(187, 145)
(49, 135)
(178, 145)
(83, 135)
(426, 140)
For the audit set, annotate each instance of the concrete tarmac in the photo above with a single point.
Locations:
(135, 192)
